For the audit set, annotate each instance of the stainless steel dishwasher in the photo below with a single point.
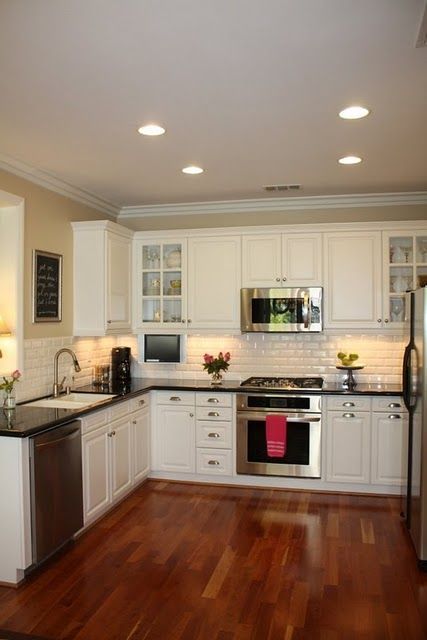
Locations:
(56, 488)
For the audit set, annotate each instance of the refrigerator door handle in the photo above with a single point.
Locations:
(406, 379)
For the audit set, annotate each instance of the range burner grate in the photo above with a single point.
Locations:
(283, 383)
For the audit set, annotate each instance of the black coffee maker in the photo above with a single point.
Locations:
(120, 366)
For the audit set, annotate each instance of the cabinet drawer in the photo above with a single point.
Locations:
(139, 403)
(349, 403)
(94, 420)
(216, 436)
(394, 404)
(178, 398)
(119, 410)
(215, 462)
(213, 399)
(213, 413)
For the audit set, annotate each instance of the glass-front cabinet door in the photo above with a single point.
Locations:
(161, 283)
(405, 269)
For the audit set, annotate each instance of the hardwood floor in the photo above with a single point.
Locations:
(191, 562)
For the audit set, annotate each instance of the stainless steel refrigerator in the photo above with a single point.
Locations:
(415, 398)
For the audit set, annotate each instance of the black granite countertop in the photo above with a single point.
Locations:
(25, 421)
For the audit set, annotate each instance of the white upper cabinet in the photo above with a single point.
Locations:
(282, 260)
(160, 280)
(353, 296)
(404, 269)
(102, 278)
(214, 282)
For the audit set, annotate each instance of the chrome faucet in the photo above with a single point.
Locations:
(58, 386)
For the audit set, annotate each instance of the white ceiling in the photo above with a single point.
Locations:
(248, 89)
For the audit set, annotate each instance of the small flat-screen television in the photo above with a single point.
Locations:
(162, 348)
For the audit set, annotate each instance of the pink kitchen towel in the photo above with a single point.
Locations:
(275, 434)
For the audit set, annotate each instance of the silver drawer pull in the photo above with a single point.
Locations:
(214, 435)
(213, 414)
(175, 399)
(348, 415)
(214, 400)
(215, 463)
(348, 404)
(394, 416)
(394, 405)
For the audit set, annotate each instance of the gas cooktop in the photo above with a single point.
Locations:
(283, 383)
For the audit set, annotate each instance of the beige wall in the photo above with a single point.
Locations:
(312, 216)
(47, 227)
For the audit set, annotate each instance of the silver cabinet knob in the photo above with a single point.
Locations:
(133, 421)
(214, 463)
(110, 435)
(379, 320)
(191, 415)
(348, 404)
(348, 415)
(395, 416)
(284, 279)
(213, 414)
(277, 279)
(394, 405)
(189, 320)
(183, 321)
(109, 321)
(214, 400)
(386, 320)
(141, 402)
(214, 435)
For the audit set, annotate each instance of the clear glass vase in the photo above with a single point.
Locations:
(216, 377)
(9, 400)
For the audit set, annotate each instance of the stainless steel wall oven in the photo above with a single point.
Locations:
(303, 443)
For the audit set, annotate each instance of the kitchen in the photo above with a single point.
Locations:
(327, 238)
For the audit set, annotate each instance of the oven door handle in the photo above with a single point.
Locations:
(255, 415)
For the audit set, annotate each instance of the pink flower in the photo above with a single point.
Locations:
(16, 374)
(227, 356)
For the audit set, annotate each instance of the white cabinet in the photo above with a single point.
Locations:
(115, 453)
(102, 278)
(348, 444)
(174, 433)
(121, 457)
(389, 445)
(193, 433)
(141, 441)
(214, 276)
(96, 473)
(353, 296)
(161, 280)
(404, 264)
(276, 260)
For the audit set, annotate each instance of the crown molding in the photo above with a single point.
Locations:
(276, 204)
(48, 181)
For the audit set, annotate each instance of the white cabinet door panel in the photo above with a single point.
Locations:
(261, 261)
(121, 467)
(214, 276)
(348, 444)
(174, 439)
(389, 448)
(119, 266)
(353, 280)
(96, 475)
(141, 444)
(302, 260)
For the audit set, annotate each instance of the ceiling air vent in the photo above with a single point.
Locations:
(282, 187)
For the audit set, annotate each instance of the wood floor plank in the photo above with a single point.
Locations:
(189, 562)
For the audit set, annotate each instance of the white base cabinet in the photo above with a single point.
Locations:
(174, 432)
(366, 441)
(116, 454)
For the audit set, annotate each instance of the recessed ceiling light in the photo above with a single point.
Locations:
(350, 160)
(354, 113)
(193, 170)
(151, 130)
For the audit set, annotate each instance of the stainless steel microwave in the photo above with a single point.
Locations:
(281, 310)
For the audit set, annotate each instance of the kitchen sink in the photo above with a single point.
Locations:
(71, 401)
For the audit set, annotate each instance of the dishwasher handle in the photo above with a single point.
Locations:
(75, 433)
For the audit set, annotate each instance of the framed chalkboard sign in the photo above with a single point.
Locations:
(47, 286)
